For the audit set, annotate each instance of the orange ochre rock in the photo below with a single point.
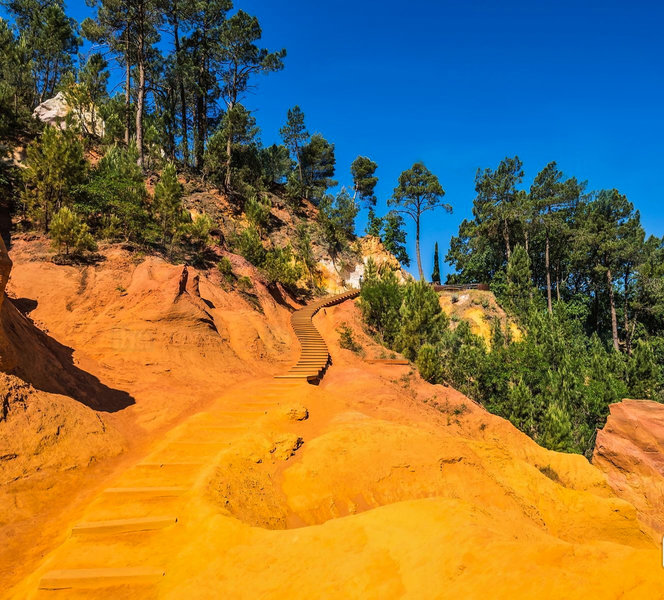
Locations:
(630, 450)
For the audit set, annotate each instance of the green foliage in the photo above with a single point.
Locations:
(364, 181)
(280, 266)
(519, 287)
(336, 221)
(199, 233)
(276, 163)
(422, 319)
(248, 244)
(258, 213)
(394, 237)
(168, 208)
(117, 189)
(347, 340)
(380, 301)
(304, 250)
(428, 363)
(374, 224)
(435, 276)
(68, 231)
(232, 157)
(226, 269)
(318, 166)
(296, 137)
(55, 168)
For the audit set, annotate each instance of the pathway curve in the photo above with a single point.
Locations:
(314, 355)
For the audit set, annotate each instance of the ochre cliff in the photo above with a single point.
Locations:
(630, 450)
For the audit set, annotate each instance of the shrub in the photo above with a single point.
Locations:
(199, 234)
(455, 298)
(258, 211)
(346, 339)
(248, 244)
(422, 319)
(69, 231)
(280, 267)
(428, 363)
(168, 208)
(226, 268)
(116, 190)
(380, 300)
(244, 283)
(55, 168)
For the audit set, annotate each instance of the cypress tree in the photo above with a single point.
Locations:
(435, 276)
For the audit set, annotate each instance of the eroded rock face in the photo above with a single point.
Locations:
(7, 354)
(630, 450)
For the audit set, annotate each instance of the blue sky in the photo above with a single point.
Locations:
(460, 85)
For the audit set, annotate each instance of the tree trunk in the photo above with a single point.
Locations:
(140, 97)
(299, 164)
(628, 337)
(612, 304)
(183, 97)
(558, 281)
(127, 89)
(140, 102)
(525, 233)
(548, 273)
(229, 148)
(506, 236)
(417, 247)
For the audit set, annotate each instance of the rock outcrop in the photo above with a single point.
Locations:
(54, 111)
(630, 450)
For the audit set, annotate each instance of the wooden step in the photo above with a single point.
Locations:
(123, 525)
(100, 577)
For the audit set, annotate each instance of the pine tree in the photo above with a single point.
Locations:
(394, 237)
(168, 207)
(55, 167)
(364, 181)
(435, 276)
(374, 224)
(644, 375)
(295, 136)
(422, 319)
(557, 428)
(418, 191)
(69, 231)
(318, 167)
(241, 59)
(428, 363)
(519, 286)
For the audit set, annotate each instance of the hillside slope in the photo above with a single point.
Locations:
(374, 484)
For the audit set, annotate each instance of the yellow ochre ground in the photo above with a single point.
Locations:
(373, 484)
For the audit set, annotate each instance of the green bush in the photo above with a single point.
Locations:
(226, 268)
(55, 170)
(68, 231)
(248, 244)
(428, 363)
(347, 340)
(280, 267)
(380, 301)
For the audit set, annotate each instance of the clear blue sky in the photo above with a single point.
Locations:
(462, 84)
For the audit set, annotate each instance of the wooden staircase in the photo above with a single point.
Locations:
(314, 355)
